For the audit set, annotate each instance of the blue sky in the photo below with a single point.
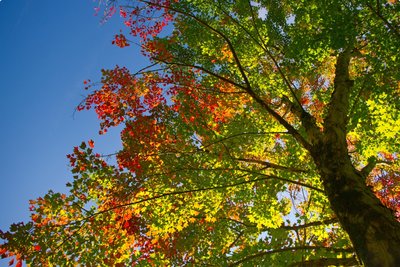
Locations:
(47, 49)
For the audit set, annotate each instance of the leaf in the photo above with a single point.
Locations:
(232, 139)
(91, 143)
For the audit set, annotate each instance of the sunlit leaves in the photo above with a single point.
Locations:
(214, 166)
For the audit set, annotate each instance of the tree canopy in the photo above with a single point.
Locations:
(262, 133)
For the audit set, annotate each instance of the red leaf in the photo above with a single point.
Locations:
(122, 13)
(91, 143)
(19, 264)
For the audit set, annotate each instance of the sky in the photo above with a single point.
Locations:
(47, 49)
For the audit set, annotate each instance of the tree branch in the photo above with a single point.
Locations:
(203, 69)
(264, 178)
(240, 134)
(271, 165)
(328, 262)
(236, 239)
(267, 176)
(369, 167)
(337, 117)
(223, 36)
(310, 224)
(385, 21)
(264, 253)
(291, 227)
(307, 120)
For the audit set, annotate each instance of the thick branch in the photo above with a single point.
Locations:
(328, 262)
(248, 88)
(369, 167)
(271, 165)
(310, 224)
(240, 134)
(307, 120)
(264, 253)
(337, 118)
(261, 174)
(293, 227)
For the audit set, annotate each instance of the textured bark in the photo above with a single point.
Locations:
(372, 228)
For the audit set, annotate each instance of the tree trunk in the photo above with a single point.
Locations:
(373, 229)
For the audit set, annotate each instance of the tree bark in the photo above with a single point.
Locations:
(372, 228)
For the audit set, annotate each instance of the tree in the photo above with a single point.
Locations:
(262, 133)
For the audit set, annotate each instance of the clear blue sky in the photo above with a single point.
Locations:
(47, 49)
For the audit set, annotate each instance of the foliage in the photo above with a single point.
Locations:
(216, 166)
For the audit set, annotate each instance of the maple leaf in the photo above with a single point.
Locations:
(91, 143)
(256, 124)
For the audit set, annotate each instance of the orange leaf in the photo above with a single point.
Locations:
(91, 143)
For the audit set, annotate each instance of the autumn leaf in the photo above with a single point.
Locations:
(91, 143)
(254, 137)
